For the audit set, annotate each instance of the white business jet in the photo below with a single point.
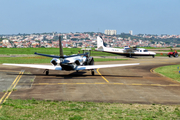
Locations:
(68, 63)
(127, 51)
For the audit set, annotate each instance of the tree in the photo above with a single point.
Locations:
(1, 39)
(167, 42)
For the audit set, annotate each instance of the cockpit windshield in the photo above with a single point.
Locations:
(145, 50)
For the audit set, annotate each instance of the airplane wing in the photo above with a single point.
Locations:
(129, 50)
(50, 67)
(90, 67)
(87, 67)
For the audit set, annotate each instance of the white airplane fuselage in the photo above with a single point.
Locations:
(137, 52)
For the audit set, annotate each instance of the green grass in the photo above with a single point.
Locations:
(23, 60)
(171, 71)
(39, 59)
(36, 109)
(53, 51)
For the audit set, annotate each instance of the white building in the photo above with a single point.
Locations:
(131, 32)
(110, 32)
(5, 41)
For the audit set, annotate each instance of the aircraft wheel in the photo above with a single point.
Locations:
(153, 56)
(170, 56)
(92, 72)
(47, 72)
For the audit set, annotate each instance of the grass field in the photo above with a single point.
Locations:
(50, 110)
(52, 51)
(171, 71)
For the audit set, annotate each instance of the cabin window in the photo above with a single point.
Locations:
(140, 50)
(145, 50)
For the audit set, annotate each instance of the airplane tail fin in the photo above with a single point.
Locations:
(100, 43)
(60, 47)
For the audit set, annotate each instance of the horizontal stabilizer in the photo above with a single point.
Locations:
(54, 56)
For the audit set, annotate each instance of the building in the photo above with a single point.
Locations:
(110, 32)
(131, 32)
(5, 41)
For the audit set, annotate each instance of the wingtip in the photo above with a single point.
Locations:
(5, 64)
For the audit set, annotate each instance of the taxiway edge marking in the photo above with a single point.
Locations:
(13, 85)
(10, 87)
(3, 97)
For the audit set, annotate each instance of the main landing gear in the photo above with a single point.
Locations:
(46, 71)
(92, 72)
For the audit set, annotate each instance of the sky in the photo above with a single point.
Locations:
(64, 16)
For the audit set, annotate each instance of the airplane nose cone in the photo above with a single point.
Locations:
(152, 53)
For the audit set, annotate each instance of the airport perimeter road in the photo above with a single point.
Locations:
(132, 84)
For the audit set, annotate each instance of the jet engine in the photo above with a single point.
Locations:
(55, 61)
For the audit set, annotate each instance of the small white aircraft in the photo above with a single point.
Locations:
(68, 63)
(127, 51)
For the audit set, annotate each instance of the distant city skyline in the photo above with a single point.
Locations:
(142, 17)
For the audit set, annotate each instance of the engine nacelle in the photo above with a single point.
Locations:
(55, 61)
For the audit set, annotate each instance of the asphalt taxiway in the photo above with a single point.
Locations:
(128, 84)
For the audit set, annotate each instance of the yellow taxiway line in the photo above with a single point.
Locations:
(13, 85)
(102, 76)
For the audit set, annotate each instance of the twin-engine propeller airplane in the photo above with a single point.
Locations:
(127, 51)
(68, 63)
